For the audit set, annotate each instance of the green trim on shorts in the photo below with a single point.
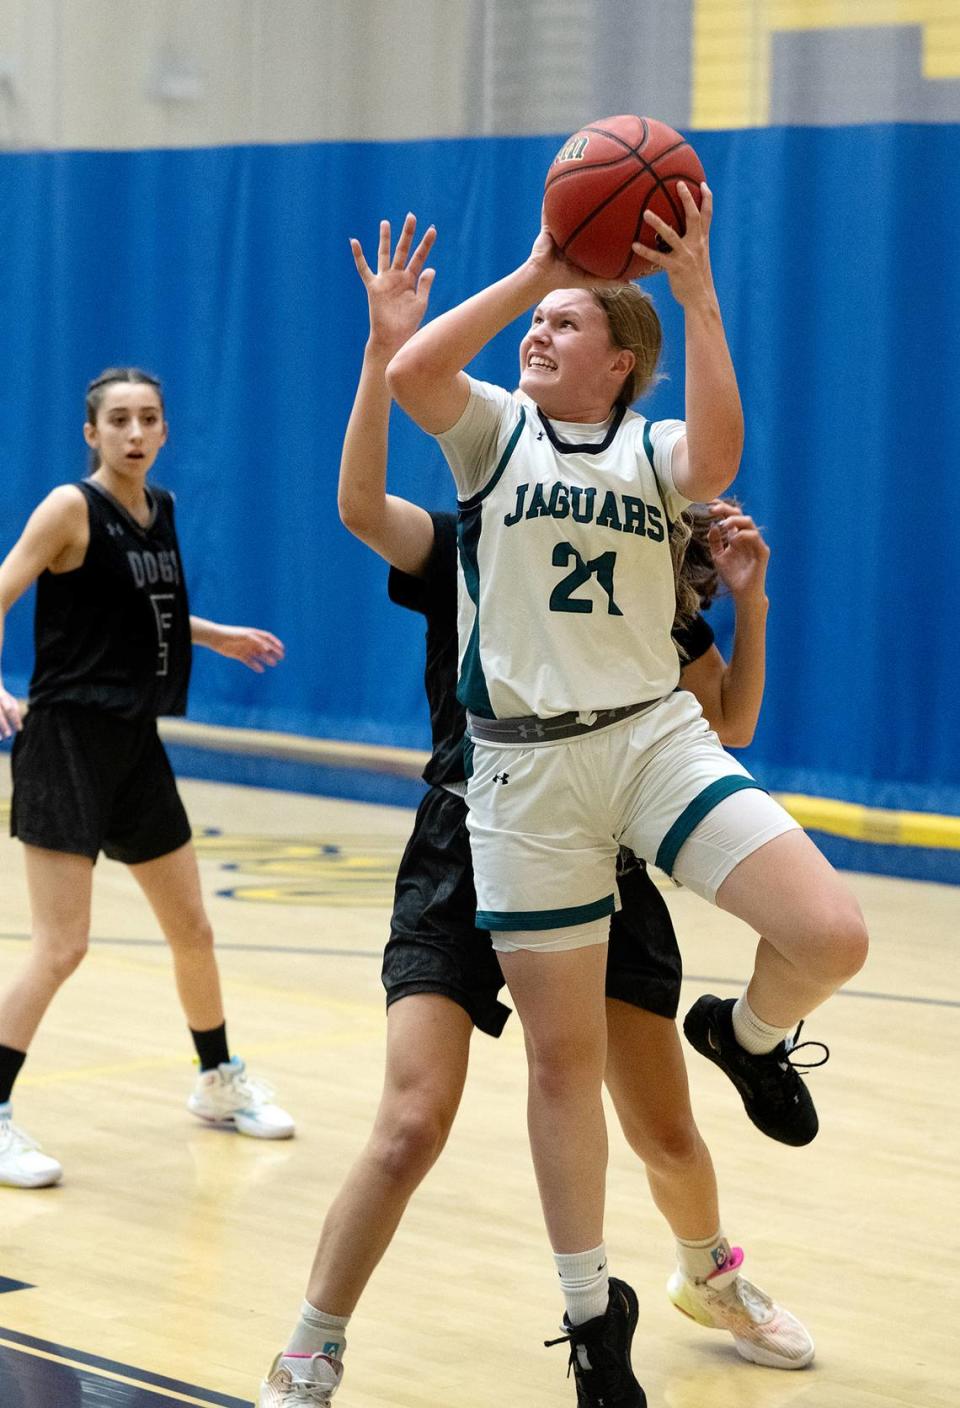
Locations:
(694, 812)
(545, 918)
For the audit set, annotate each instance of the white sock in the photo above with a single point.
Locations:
(753, 1034)
(585, 1283)
(319, 1333)
(700, 1259)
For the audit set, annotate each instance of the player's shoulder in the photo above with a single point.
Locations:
(634, 423)
(634, 435)
(66, 503)
(486, 397)
(58, 521)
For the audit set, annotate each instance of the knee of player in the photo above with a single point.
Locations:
(844, 941)
(195, 932)
(856, 943)
(667, 1146)
(836, 945)
(410, 1142)
(65, 955)
(561, 1062)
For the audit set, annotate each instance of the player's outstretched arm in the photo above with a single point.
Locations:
(56, 532)
(252, 647)
(706, 461)
(731, 694)
(397, 296)
(426, 376)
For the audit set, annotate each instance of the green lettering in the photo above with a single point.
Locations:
(634, 515)
(538, 504)
(609, 515)
(559, 501)
(584, 515)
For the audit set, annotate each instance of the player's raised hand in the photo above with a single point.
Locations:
(399, 291)
(738, 550)
(685, 258)
(559, 272)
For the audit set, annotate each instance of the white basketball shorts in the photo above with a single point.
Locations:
(546, 821)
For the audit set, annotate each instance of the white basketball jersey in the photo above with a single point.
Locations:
(567, 594)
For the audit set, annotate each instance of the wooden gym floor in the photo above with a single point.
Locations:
(169, 1265)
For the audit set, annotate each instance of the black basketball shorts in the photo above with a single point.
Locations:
(434, 946)
(85, 781)
(643, 959)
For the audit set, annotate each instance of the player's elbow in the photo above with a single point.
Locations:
(710, 481)
(736, 733)
(712, 464)
(409, 370)
(354, 513)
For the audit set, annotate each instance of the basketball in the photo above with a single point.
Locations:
(603, 180)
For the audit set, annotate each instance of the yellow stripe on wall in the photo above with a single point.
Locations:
(883, 828)
(732, 42)
(857, 823)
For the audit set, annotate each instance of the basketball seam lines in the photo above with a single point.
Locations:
(646, 168)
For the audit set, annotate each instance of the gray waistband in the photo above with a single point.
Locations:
(533, 730)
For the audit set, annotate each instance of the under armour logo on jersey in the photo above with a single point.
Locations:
(115, 530)
(502, 777)
(539, 434)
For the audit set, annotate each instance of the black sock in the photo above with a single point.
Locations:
(211, 1047)
(10, 1063)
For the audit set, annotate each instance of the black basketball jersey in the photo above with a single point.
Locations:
(434, 595)
(114, 634)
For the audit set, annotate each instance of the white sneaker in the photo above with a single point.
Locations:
(300, 1381)
(762, 1331)
(22, 1164)
(228, 1096)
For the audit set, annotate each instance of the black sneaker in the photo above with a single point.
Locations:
(772, 1092)
(600, 1353)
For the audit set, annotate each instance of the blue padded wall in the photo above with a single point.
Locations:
(227, 271)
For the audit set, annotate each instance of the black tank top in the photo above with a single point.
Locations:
(114, 634)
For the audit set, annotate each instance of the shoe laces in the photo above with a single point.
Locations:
(12, 1137)
(794, 1046)
(567, 1339)
(744, 1295)
(307, 1393)
(595, 1357)
(251, 1089)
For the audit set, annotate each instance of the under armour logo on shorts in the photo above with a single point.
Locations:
(503, 777)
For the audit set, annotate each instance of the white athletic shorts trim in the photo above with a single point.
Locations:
(546, 821)
(552, 940)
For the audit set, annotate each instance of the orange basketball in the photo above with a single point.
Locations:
(602, 181)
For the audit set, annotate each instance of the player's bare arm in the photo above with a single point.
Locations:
(426, 376)
(253, 647)
(55, 538)
(706, 460)
(731, 694)
(397, 296)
